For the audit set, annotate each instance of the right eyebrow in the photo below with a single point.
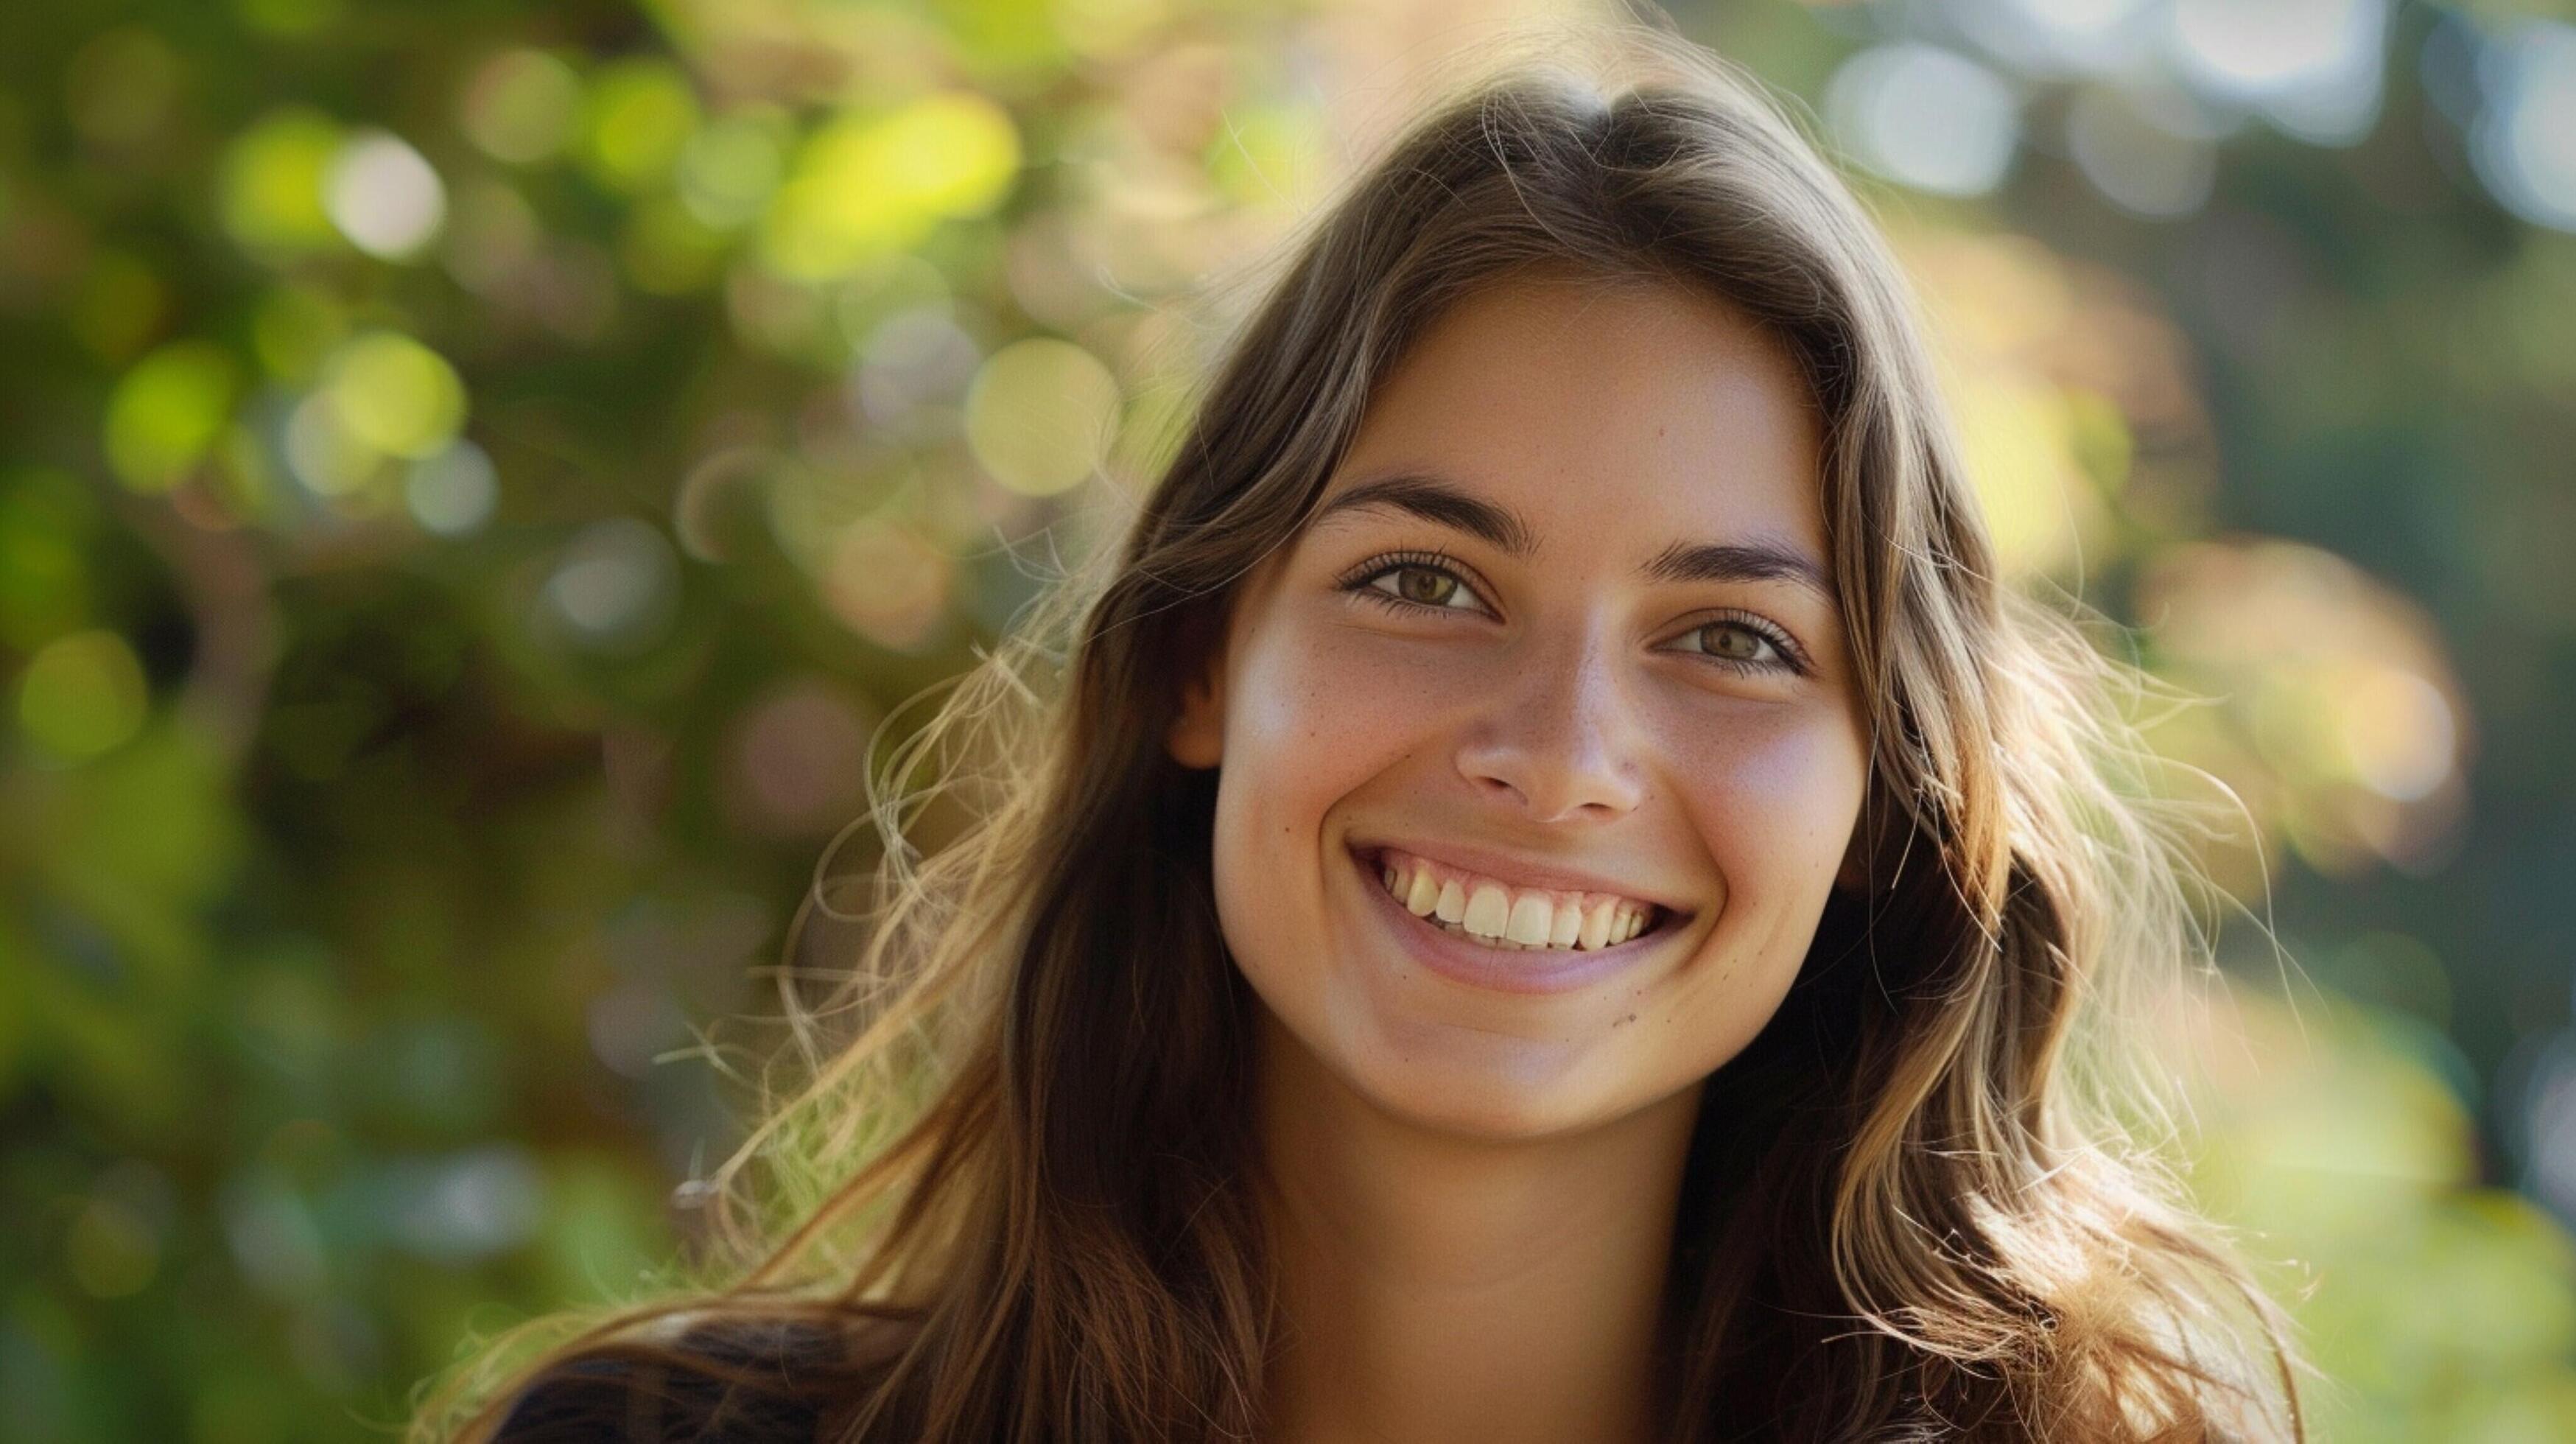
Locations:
(1442, 504)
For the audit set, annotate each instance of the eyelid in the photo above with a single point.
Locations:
(1359, 577)
(1793, 657)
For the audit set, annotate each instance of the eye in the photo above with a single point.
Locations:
(1430, 581)
(1747, 644)
(1425, 580)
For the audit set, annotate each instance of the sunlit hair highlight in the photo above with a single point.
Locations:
(1008, 1177)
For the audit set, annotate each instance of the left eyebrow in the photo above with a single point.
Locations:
(1442, 504)
(1737, 562)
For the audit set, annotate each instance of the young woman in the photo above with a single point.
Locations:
(1555, 895)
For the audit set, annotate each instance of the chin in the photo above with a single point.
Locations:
(1475, 1085)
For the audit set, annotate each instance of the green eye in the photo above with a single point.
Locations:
(1422, 580)
(1426, 581)
(1423, 585)
(1745, 645)
(1739, 644)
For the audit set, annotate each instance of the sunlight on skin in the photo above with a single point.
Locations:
(1475, 1183)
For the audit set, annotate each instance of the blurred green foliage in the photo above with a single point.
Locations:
(474, 476)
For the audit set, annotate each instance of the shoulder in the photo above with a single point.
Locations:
(733, 1382)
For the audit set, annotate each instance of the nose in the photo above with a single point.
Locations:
(1561, 745)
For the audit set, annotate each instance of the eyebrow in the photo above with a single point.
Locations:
(1443, 504)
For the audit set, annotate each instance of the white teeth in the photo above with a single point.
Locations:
(1565, 927)
(1425, 895)
(1596, 924)
(1492, 915)
(1532, 919)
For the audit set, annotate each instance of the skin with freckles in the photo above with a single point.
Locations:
(1473, 1186)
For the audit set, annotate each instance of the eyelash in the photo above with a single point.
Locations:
(1358, 581)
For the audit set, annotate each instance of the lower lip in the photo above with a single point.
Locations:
(1529, 971)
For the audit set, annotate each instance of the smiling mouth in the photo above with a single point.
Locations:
(1490, 915)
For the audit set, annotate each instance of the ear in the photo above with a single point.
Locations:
(1197, 735)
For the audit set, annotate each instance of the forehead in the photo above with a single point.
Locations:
(1602, 409)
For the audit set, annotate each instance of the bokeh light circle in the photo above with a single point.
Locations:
(82, 695)
(1041, 414)
(384, 196)
(521, 107)
(396, 395)
(452, 492)
(1927, 117)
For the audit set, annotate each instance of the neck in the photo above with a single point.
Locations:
(1435, 1287)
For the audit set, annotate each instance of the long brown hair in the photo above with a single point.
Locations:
(1010, 1189)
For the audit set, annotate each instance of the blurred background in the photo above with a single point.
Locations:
(475, 476)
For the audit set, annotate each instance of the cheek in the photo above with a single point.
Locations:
(1778, 797)
(1773, 801)
(1313, 712)
(1309, 720)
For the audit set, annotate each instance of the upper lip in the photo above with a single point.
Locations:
(1507, 867)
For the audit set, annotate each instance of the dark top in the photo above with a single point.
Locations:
(611, 1398)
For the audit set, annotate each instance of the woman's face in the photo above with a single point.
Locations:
(1559, 642)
